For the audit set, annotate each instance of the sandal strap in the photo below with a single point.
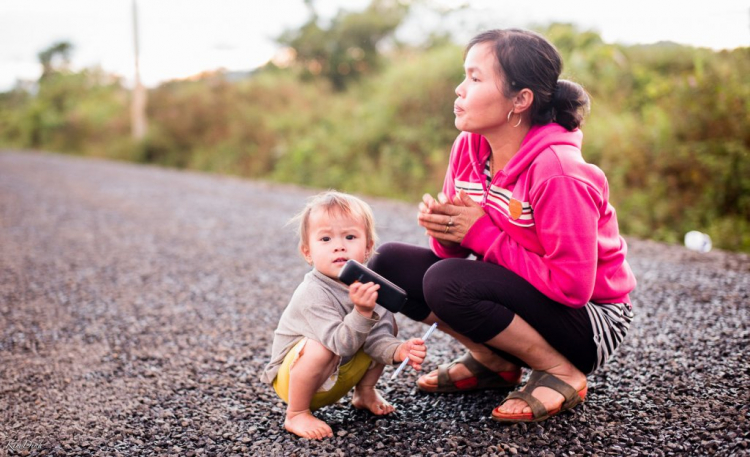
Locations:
(537, 408)
(475, 368)
(443, 379)
(544, 379)
(471, 364)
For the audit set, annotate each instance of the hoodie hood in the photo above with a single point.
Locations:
(539, 138)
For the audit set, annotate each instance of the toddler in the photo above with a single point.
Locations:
(333, 337)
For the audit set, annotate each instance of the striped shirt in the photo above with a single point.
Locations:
(610, 322)
(488, 171)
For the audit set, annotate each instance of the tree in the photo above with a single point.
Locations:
(55, 58)
(348, 48)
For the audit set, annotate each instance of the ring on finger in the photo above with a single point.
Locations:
(450, 221)
(447, 227)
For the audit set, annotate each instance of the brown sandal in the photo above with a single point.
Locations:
(483, 378)
(538, 411)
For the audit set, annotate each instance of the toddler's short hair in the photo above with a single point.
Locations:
(345, 204)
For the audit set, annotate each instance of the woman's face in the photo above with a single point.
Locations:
(481, 106)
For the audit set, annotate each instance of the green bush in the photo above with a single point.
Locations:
(669, 125)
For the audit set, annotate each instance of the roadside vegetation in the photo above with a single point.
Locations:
(351, 108)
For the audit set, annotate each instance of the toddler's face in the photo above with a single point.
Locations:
(334, 239)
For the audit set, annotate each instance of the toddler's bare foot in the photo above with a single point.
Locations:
(370, 398)
(305, 425)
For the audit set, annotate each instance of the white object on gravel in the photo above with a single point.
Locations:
(697, 241)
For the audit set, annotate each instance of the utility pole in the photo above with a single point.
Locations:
(138, 106)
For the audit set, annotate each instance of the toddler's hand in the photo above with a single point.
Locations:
(415, 350)
(364, 296)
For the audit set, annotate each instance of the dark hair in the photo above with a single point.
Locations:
(527, 60)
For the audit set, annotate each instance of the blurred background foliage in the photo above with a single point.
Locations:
(348, 106)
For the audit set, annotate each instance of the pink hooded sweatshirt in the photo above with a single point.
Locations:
(548, 217)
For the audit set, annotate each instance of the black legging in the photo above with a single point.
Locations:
(479, 299)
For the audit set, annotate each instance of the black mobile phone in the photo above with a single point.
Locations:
(390, 296)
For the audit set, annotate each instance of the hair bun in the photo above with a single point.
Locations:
(569, 103)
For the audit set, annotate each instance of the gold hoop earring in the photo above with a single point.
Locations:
(510, 114)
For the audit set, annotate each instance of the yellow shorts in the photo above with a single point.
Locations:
(347, 376)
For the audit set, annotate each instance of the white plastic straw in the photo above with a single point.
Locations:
(406, 360)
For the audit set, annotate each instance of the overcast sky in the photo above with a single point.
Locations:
(179, 38)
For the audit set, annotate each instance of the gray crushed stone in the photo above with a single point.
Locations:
(137, 306)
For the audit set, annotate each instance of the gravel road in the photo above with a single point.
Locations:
(137, 306)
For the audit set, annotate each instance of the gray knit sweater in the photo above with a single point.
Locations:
(321, 310)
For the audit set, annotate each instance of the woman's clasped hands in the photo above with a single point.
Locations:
(448, 220)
